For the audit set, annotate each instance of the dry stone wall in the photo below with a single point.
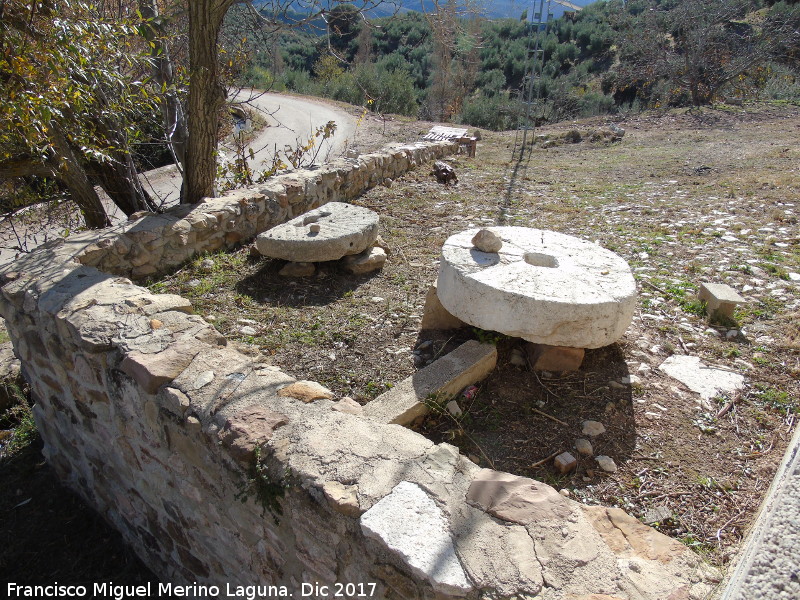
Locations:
(153, 244)
(222, 471)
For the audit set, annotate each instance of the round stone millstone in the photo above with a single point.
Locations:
(326, 233)
(542, 286)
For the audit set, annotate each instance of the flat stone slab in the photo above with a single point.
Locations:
(326, 233)
(410, 524)
(706, 381)
(542, 286)
(445, 377)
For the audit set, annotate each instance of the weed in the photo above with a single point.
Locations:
(488, 337)
(18, 417)
(776, 399)
(267, 492)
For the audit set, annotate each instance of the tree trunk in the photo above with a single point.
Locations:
(206, 96)
(70, 172)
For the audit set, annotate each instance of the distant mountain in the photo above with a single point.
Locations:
(495, 9)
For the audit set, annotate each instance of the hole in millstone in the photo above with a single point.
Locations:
(540, 260)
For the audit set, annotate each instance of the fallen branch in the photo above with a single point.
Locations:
(544, 460)
(552, 418)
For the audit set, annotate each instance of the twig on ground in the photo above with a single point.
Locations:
(539, 463)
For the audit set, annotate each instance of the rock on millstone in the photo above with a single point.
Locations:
(565, 462)
(307, 391)
(486, 241)
(367, 261)
(545, 287)
(297, 269)
(606, 463)
(593, 428)
(344, 229)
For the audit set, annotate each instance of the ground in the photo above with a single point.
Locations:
(685, 197)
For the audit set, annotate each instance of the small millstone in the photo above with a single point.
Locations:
(593, 428)
(606, 463)
(584, 447)
(486, 241)
(565, 462)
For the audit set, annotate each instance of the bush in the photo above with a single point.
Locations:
(497, 113)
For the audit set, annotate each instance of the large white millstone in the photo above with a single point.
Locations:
(542, 286)
(326, 233)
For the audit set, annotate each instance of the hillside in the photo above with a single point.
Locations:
(608, 58)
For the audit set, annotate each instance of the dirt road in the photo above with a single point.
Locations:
(290, 119)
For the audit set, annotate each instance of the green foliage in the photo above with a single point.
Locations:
(259, 483)
(66, 69)
(18, 417)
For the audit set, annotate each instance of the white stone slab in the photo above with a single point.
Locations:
(410, 524)
(329, 232)
(543, 286)
(706, 381)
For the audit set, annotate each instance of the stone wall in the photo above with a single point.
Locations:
(152, 244)
(221, 470)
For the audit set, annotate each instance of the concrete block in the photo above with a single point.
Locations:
(565, 462)
(720, 299)
(554, 358)
(436, 316)
(469, 363)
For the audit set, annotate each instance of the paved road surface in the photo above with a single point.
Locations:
(290, 119)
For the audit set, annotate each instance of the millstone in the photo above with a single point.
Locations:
(326, 233)
(542, 286)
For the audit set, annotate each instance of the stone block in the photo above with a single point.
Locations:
(297, 269)
(517, 499)
(248, 428)
(720, 299)
(307, 391)
(565, 462)
(469, 363)
(554, 358)
(410, 525)
(436, 316)
(367, 261)
(151, 371)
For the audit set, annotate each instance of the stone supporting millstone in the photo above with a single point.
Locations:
(327, 233)
(542, 286)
